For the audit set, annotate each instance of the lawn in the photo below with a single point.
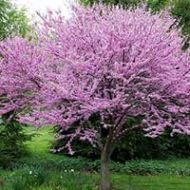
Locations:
(42, 170)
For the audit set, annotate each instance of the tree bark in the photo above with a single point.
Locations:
(105, 183)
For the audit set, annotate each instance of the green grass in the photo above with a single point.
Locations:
(39, 179)
(42, 170)
(41, 141)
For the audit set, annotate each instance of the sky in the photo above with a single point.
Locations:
(42, 5)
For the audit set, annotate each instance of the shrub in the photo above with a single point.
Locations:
(135, 146)
(12, 142)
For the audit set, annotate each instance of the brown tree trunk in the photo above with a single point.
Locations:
(105, 183)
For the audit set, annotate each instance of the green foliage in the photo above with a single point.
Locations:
(154, 167)
(64, 172)
(125, 3)
(40, 157)
(12, 142)
(181, 11)
(157, 5)
(27, 178)
(30, 178)
(22, 179)
(135, 167)
(13, 21)
(136, 146)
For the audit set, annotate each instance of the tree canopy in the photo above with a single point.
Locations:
(180, 10)
(92, 74)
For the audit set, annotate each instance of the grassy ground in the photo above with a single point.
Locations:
(41, 170)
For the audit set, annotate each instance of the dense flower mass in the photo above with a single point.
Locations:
(105, 64)
(19, 69)
(113, 65)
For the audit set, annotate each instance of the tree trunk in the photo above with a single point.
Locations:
(105, 183)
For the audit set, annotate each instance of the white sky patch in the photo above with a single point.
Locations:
(41, 6)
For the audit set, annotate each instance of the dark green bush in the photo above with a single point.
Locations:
(157, 5)
(137, 146)
(181, 11)
(12, 139)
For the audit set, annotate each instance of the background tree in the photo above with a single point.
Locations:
(13, 21)
(125, 3)
(155, 5)
(181, 11)
(112, 65)
(12, 144)
(18, 81)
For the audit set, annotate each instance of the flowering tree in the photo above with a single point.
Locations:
(19, 69)
(111, 65)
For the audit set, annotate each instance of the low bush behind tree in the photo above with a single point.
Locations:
(12, 143)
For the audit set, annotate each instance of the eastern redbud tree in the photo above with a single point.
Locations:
(111, 65)
(20, 62)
